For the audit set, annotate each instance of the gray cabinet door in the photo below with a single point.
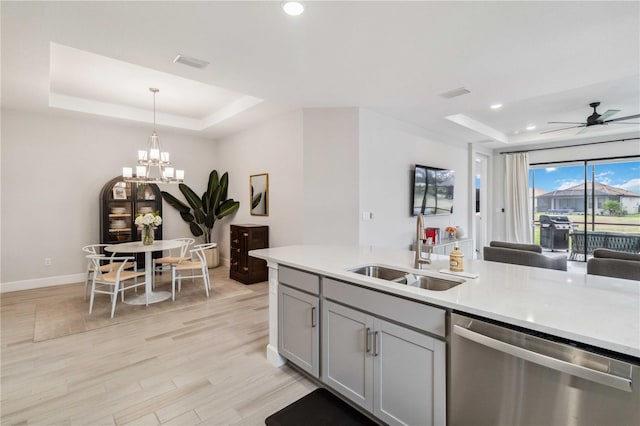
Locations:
(298, 335)
(410, 376)
(347, 364)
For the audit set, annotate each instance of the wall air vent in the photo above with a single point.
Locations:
(454, 93)
(192, 62)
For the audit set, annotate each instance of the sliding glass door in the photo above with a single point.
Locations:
(600, 198)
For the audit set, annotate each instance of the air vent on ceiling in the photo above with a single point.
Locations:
(455, 92)
(192, 62)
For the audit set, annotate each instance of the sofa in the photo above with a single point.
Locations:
(523, 254)
(615, 264)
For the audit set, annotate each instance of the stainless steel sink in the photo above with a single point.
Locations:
(426, 282)
(380, 272)
(430, 283)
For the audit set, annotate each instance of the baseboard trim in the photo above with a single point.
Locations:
(274, 357)
(41, 282)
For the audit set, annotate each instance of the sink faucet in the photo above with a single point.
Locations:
(419, 260)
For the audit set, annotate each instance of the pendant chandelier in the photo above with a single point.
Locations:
(153, 163)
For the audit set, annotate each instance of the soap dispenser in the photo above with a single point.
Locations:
(455, 260)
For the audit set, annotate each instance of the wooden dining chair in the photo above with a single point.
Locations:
(175, 256)
(197, 262)
(113, 281)
(107, 263)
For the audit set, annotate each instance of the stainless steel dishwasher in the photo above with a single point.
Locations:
(503, 376)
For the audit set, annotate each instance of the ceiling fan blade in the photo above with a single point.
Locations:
(582, 131)
(566, 122)
(628, 117)
(619, 122)
(608, 113)
(564, 128)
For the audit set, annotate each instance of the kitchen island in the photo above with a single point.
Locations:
(599, 311)
(592, 312)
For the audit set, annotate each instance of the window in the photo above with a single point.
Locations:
(573, 189)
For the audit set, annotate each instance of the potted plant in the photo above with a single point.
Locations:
(201, 213)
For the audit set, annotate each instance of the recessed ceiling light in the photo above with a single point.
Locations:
(516, 132)
(292, 8)
(531, 127)
(496, 106)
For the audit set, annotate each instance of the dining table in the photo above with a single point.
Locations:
(138, 247)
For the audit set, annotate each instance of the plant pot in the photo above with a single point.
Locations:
(213, 257)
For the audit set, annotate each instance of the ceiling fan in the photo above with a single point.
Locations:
(594, 119)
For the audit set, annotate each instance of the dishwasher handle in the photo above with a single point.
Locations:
(617, 382)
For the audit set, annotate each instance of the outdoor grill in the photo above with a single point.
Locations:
(554, 232)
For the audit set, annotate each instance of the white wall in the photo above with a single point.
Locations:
(389, 150)
(53, 168)
(274, 147)
(325, 167)
(331, 176)
(573, 153)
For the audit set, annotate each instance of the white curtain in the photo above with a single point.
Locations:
(518, 208)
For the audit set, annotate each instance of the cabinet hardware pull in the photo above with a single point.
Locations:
(235, 241)
(376, 351)
(245, 268)
(234, 263)
(313, 316)
(244, 234)
(367, 334)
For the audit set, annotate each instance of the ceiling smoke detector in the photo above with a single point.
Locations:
(192, 62)
(455, 92)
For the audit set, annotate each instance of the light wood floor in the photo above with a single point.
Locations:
(204, 364)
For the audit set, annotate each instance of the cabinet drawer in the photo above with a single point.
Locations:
(414, 314)
(301, 280)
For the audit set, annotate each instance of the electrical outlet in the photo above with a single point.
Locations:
(48, 261)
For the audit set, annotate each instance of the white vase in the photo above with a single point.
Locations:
(459, 232)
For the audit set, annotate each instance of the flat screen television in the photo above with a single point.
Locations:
(432, 191)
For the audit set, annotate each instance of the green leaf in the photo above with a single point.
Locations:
(210, 220)
(200, 216)
(195, 229)
(192, 198)
(227, 208)
(213, 183)
(206, 206)
(216, 199)
(224, 184)
(187, 216)
(174, 202)
(256, 201)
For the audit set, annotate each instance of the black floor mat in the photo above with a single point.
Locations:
(319, 408)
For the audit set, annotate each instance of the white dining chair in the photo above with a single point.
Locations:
(197, 262)
(175, 255)
(107, 263)
(113, 281)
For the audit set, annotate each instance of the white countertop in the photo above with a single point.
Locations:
(598, 311)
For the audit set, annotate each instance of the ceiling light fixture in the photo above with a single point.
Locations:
(531, 127)
(292, 8)
(496, 106)
(153, 163)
